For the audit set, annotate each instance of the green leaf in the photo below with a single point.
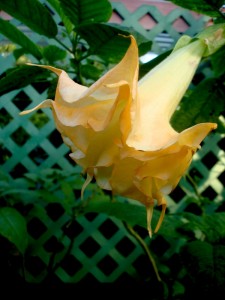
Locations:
(105, 41)
(53, 53)
(86, 11)
(18, 37)
(13, 227)
(109, 42)
(33, 14)
(210, 7)
(205, 104)
(205, 263)
(144, 44)
(217, 60)
(133, 214)
(90, 71)
(211, 226)
(21, 76)
(58, 8)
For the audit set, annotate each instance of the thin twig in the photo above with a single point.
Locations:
(145, 247)
(194, 186)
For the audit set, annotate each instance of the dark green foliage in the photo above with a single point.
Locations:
(86, 12)
(13, 227)
(53, 53)
(217, 60)
(19, 77)
(206, 7)
(108, 41)
(17, 36)
(33, 14)
(205, 265)
(204, 104)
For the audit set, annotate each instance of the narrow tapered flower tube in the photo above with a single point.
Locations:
(119, 128)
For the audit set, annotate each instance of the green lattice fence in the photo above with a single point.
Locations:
(100, 248)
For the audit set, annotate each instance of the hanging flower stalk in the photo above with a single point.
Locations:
(119, 128)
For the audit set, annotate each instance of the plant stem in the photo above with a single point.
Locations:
(145, 247)
(194, 186)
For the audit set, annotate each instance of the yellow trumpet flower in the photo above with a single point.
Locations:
(119, 128)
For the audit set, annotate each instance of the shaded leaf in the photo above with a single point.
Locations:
(217, 60)
(53, 53)
(90, 71)
(18, 37)
(205, 263)
(13, 227)
(33, 14)
(211, 226)
(58, 8)
(108, 41)
(144, 44)
(86, 11)
(205, 104)
(133, 214)
(210, 7)
(19, 77)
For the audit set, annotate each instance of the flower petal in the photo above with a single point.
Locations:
(159, 93)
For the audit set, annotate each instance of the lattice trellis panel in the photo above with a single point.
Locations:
(163, 30)
(100, 249)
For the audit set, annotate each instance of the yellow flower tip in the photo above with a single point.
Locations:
(160, 218)
(149, 210)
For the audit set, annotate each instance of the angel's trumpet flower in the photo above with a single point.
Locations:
(119, 129)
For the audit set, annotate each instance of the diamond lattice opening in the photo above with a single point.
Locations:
(177, 194)
(55, 138)
(20, 136)
(89, 247)
(40, 87)
(53, 245)
(38, 155)
(71, 265)
(221, 177)
(108, 229)
(148, 21)
(18, 171)
(107, 265)
(36, 228)
(221, 144)
(5, 154)
(209, 160)
(116, 17)
(72, 229)
(39, 119)
(91, 216)
(5, 117)
(21, 100)
(181, 24)
(125, 246)
(209, 193)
